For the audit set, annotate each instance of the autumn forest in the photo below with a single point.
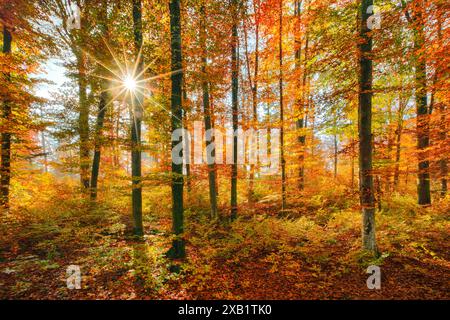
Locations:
(224, 149)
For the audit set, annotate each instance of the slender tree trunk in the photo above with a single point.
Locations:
(365, 132)
(283, 162)
(335, 142)
(303, 98)
(306, 109)
(254, 90)
(136, 120)
(234, 89)
(213, 119)
(443, 121)
(100, 115)
(116, 146)
(422, 121)
(6, 135)
(207, 117)
(353, 163)
(398, 139)
(269, 133)
(178, 245)
(443, 161)
(313, 125)
(83, 120)
(187, 148)
(299, 101)
(397, 155)
(390, 146)
(98, 144)
(44, 144)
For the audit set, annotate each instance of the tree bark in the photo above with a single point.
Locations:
(443, 161)
(353, 162)
(422, 111)
(280, 84)
(254, 90)
(83, 121)
(234, 89)
(335, 143)
(365, 132)
(6, 135)
(300, 100)
(44, 143)
(187, 147)
(443, 122)
(178, 246)
(422, 121)
(136, 120)
(398, 139)
(98, 144)
(100, 115)
(207, 118)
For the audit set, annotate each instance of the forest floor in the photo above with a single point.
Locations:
(310, 251)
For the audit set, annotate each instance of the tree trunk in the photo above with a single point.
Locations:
(6, 135)
(100, 115)
(422, 121)
(443, 161)
(365, 132)
(335, 143)
(353, 163)
(44, 143)
(443, 122)
(187, 147)
(254, 89)
(83, 120)
(280, 84)
(398, 139)
(178, 245)
(115, 128)
(300, 100)
(207, 117)
(98, 144)
(390, 146)
(234, 86)
(136, 120)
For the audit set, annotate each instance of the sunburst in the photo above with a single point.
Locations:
(127, 82)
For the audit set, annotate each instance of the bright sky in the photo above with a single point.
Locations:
(55, 72)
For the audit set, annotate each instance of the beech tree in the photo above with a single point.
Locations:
(136, 120)
(365, 130)
(6, 135)
(178, 244)
(207, 116)
(235, 104)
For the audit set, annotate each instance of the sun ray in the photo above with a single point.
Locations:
(144, 70)
(113, 99)
(129, 83)
(104, 77)
(162, 107)
(136, 64)
(114, 56)
(101, 63)
(162, 75)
